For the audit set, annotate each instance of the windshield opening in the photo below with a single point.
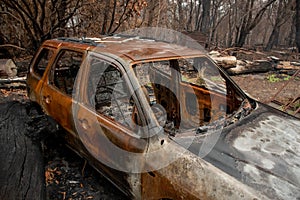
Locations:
(190, 94)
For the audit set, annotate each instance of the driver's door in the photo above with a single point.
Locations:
(104, 121)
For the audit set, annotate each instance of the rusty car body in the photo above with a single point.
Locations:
(184, 129)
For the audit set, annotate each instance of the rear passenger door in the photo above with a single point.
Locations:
(57, 90)
(36, 78)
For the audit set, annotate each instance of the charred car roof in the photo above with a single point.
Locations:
(130, 48)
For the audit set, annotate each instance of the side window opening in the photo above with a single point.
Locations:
(66, 69)
(109, 93)
(42, 61)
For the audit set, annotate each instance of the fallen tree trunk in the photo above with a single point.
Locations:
(16, 82)
(21, 169)
(13, 80)
(226, 62)
(257, 66)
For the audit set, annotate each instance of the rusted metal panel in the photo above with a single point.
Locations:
(256, 152)
(133, 49)
(189, 177)
(261, 152)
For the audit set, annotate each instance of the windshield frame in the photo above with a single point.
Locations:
(224, 75)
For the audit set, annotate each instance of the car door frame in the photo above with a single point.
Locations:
(34, 81)
(122, 136)
(56, 103)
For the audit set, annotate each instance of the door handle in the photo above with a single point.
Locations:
(84, 123)
(47, 99)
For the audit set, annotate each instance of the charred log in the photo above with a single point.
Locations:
(244, 67)
(22, 173)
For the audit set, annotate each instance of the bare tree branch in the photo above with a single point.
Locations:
(12, 46)
(12, 15)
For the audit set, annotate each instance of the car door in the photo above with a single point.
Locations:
(36, 78)
(105, 124)
(58, 88)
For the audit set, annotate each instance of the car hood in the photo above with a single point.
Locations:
(262, 151)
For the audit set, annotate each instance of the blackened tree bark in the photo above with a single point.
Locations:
(189, 22)
(292, 32)
(249, 22)
(205, 24)
(3, 52)
(151, 10)
(274, 38)
(128, 10)
(40, 19)
(198, 16)
(282, 15)
(298, 24)
(105, 18)
(112, 18)
(61, 11)
(22, 173)
(180, 13)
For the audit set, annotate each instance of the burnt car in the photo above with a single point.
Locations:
(163, 121)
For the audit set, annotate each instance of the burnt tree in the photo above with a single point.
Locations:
(22, 174)
(298, 24)
(37, 20)
(205, 24)
(249, 22)
(283, 14)
(3, 51)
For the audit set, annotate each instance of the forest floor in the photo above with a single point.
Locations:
(264, 86)
(67, 175)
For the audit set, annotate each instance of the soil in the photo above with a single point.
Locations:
(265, 86)
(69, 177)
